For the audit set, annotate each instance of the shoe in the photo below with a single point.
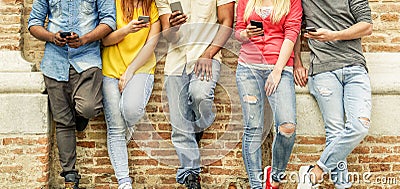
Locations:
(198, 136)
(305, 178)
(72, 180)
(125, 185)
(192, 181)
(128, 134)
(81, 123)
(268, 178)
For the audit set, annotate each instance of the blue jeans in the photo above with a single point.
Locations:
(124, 110)
(190, 102)
(251, 83)
(344, 98)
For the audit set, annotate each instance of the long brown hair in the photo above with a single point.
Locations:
(129, 7)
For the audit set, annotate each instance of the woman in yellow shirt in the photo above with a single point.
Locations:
(128, 69)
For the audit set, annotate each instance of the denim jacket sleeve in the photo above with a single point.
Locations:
(107, 13)
(39, 13)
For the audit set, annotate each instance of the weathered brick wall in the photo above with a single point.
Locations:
(153, 161)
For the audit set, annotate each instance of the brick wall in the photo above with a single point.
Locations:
(153, 161)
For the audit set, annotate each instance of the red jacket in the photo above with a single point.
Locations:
(265, 49)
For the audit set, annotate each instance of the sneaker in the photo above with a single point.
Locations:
(72, 180)
(198, 136)
(305, 179)
(128, 134)
(192, 181)
(81, 123)
(268, 178)
(125, 185)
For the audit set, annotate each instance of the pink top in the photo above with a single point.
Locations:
(265, 49)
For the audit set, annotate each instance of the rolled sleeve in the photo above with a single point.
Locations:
(38, 14)
(223, 2)
(292, 23)
(107, 13)
(163, 7)
(361, 10)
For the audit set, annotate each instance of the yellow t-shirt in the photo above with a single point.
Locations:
(116, 58)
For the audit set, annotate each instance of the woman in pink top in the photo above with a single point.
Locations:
(265, 71)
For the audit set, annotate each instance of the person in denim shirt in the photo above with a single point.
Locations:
(72, 67)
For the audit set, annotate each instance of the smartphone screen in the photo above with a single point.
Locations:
(311, 29)
(176, 6)
(146, 19)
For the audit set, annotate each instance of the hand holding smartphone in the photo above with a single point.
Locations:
(258, 25)
(65, 34)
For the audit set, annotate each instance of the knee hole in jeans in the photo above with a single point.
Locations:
(365, 121)
(287, 129)
(250, 99)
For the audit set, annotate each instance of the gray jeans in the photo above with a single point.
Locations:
(80, 96)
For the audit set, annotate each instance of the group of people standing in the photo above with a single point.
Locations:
(81, 79)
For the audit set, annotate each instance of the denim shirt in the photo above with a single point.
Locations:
(79, 16)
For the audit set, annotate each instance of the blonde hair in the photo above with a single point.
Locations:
(281, 8)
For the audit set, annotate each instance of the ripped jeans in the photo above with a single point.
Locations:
(250, 84)
(344, 98)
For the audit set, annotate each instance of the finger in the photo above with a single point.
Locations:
(208, 72)
(296, 79)
(202, 72)
(196, 70)
(210, 76)
(120, 85)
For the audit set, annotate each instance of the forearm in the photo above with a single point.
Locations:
(98, 33)
(169, 34)
(297, 52)
(144, 54)
(41, 33)
(115, 37)
(219, 41)
(225, 19)
(147, 50)
(356, 31)
(284, 54)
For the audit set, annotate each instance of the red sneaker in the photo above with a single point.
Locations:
(268, 178)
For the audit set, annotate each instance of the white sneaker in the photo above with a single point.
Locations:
(304, 178)
(125, 185)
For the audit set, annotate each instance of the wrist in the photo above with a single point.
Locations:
(52, 38)
(244, 35)
(336, 35)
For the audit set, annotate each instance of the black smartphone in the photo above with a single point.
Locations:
(65, 34)
(257, 24)
(176, 6)
(311, 29)
(146, 19)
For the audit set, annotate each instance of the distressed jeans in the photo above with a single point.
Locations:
(344, 99)
(124, 110)
(251, 83)
(190, 102)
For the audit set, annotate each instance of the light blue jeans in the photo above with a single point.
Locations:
(190, 102)
(344, 98)
(251, 83)
(122, 111)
